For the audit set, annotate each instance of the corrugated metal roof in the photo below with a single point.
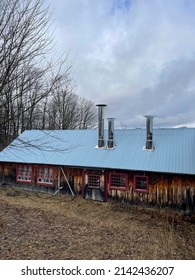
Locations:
(174, 150)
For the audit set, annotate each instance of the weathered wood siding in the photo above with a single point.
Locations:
(74, 177)
(176, 191)
(164, 190)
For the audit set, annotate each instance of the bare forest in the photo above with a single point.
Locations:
(37, 90)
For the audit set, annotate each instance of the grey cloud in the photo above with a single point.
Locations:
(135, 56)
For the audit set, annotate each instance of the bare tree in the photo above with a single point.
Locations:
(28, 74)
(67, 110)
(36, 90)
(87, 114)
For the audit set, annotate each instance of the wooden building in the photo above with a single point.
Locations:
(148, 166)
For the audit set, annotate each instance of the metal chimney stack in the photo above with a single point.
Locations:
(110, 142)
(101, 109)
(149, 132)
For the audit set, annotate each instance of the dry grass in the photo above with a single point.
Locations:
(43, 227)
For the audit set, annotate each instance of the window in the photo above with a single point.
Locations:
(118, 181)
(24, 173)
(45, 176)
(93, 181)
(141, 184)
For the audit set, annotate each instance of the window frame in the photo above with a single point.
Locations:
(22, 180)
(93, 175)
(135, 183)
(45, 181)
(122, 188)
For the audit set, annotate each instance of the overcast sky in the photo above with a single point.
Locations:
(136, 56)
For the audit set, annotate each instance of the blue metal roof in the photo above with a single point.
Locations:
(174, 150)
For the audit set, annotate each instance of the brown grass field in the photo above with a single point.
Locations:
(43, 227)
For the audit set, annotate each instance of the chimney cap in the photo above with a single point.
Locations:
(101, 105)
(149, 116)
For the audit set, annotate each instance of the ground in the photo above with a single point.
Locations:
(41, 226)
